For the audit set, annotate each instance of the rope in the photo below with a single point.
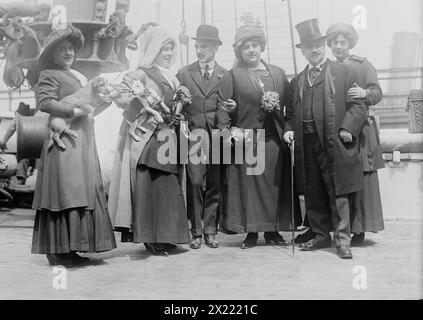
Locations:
(291, 30)
(236, 15)
(212, 11)
(183, 36)
(267, 31)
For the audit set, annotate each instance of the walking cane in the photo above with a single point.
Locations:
(292, 149)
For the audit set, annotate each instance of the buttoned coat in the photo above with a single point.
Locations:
(201, 112)
(333, 110)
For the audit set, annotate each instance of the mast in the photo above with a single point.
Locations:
(291, 31)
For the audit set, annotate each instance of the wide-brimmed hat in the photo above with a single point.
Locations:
(308, 31)
(207, 32)
(74, 35)
(344, 28)
(249, 32)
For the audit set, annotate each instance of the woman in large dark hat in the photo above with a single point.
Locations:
(259, 202)
(71, 205)
(367, 215)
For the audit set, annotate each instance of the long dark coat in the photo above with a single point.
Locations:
(367, 214)
(333, 110)
(69, 195)
(371, 151)
(201, 112)
(146, 195)
(66, 179)
(257, 203)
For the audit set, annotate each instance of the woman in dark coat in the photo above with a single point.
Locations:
(367, 213)
(258, 202)
(69, 197)
(146, 196)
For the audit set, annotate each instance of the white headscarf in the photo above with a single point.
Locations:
(151, 43)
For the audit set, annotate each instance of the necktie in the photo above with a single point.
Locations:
(206, 72)
(313, 74)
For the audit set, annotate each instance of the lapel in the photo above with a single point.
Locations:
(321, 76)
(330, 106)
(303, 77)
(195, 73)
(214, 80)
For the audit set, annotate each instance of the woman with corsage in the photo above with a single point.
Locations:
(253, 96)
(146, 200)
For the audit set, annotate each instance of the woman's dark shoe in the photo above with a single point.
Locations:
(157, 249)
(250, 241)
(169, 246)
(127, 236)
(357, 239)
(59, 260)
(77, 259)
(274, 237)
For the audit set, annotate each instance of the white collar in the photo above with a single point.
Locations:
(211, 64)
(168, 75)
(319, 66)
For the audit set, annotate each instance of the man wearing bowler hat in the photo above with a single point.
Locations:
(203, 79)
(327, 124)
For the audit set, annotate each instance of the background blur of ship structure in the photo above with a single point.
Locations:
(391, 38)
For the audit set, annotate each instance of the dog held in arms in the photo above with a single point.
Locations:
(94, 98)
(98, 95)
(151, 104)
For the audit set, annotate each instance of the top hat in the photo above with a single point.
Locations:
(208, 32)
(309, 31)
(71, 33)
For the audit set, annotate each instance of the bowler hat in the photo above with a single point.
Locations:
(74, 35)
(208, 32)
(308, 31)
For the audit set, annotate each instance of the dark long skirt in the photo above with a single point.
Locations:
(159, 209)
(74, 229)
(367, 206)
(366, 213)
(259, 203)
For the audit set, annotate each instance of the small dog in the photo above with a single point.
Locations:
(150, 101)
(94, 95)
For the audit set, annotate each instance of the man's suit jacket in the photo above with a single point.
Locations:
(201, 113)
(333, 110)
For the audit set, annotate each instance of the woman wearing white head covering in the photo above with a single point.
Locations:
(146, 196)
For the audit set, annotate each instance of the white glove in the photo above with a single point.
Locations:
(288, 137)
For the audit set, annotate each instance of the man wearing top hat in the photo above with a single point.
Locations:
(367, 207)
(327, 124)
(203, 79)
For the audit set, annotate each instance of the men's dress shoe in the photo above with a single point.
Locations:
(357, 239)
(274, 237)
(195, 243)
(250, 241)
(344, 252)
(210, 240)
(314, 244)
(304, 237)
